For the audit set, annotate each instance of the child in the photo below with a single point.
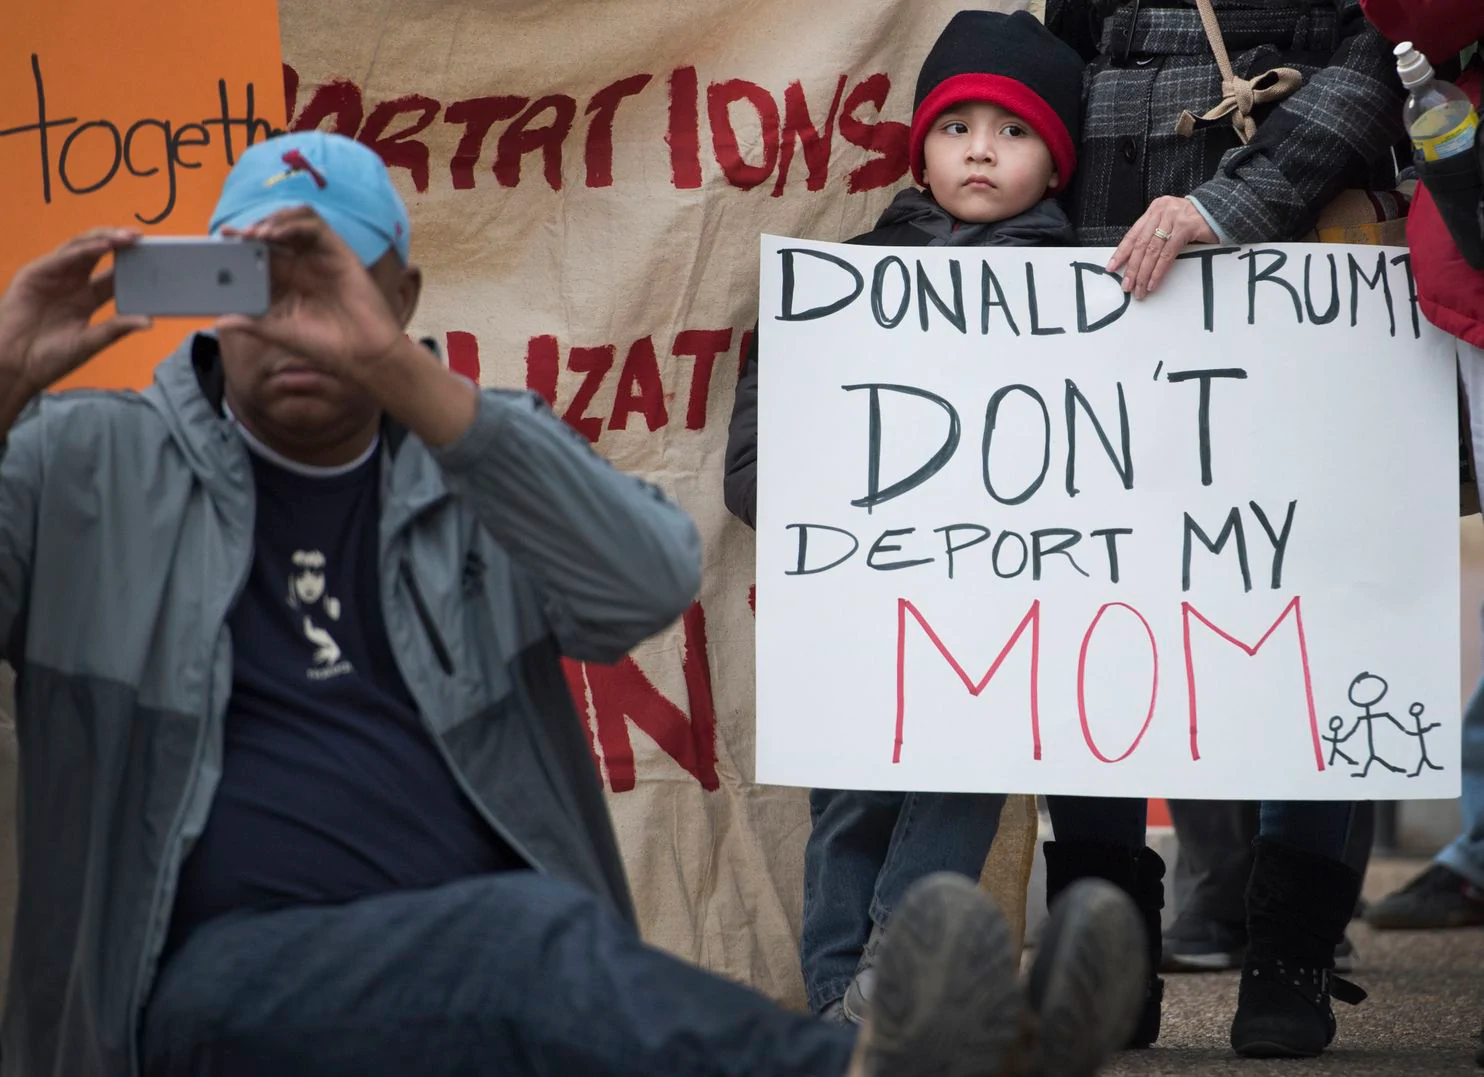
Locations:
(993, 141)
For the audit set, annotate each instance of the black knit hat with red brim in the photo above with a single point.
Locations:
(1008, 60)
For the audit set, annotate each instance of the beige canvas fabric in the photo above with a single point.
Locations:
(587, 184)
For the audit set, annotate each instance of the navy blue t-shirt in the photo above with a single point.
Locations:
(331, 788)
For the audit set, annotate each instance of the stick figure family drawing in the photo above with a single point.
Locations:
(1367, 691)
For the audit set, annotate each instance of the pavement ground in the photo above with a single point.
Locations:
(1426, 1005)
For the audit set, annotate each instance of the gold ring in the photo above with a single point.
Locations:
(1161, 234)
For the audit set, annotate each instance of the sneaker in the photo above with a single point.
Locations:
(834, 1013)
(1439, 897)
(857, 1000)
(1197, 945)
(1212, 946)
(945, 1001)
(1088, 981)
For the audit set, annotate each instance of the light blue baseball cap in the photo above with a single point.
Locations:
(341, 179)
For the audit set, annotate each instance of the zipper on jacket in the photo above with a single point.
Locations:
(440, 648)
(405, 570)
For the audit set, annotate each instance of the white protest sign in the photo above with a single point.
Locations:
(1018, 534)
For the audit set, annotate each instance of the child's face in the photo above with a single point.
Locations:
(983, 163)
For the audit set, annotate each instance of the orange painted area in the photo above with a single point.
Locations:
(127, 115)
(1159, 813)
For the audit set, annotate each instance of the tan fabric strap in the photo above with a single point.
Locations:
(1239, 96)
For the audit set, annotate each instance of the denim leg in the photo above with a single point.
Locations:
(515, 974)
(1114, 820)
(1321, 827)
(843, 857)
(936, 832)
(1466, 854)
(1214, 861)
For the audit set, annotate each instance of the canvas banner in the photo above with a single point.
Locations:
(1018, 533)
(587, 185)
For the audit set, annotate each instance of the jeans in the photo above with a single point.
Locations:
(1466, 854)
(1216, 851)
(867, 848)
(510, 974)
(1321, 827)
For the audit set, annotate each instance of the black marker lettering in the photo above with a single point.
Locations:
(1232, 527)
(1110, 536)
(1208, 279)
(1357, 275)
(1083, 325)
(874, 494)
(991, 416)
(1122, 458)
(1037, 330)
(878, 291)
(1405, 261)
(1278, 539)
(804, 530)
(1332, 311)
(1203, 411)
(880, 546)
(927, 293)
(950, 547)
(1025, 555)
(1270, 274)
(990, 283)
(1066, 538)
(824, 310)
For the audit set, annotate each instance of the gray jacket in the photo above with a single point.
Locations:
(1151, 60)
(126, 534)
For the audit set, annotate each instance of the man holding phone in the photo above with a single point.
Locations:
(303, 789)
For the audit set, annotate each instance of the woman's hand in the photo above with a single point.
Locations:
(1155, 240)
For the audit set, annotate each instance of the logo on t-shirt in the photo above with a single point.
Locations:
(307, 593)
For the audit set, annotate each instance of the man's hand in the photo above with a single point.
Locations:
(44, 317)
(325, 307)
(1156, 239)
(328, 310)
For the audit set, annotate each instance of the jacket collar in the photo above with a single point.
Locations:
(188, 391)
(1044, 224)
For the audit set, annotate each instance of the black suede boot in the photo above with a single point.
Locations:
(1140, 875)
(1149, 896)
(1297, 907)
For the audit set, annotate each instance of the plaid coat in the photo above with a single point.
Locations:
(1151, 61)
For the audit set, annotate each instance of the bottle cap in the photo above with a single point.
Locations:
(1411, 65)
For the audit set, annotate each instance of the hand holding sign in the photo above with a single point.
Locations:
(1154, 242)
(44, 317)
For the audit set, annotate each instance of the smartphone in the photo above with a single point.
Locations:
(191, 276)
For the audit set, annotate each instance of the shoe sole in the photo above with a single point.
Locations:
(945, 1002)
(1220, 962)
(1273, 1049)
(1088, 982)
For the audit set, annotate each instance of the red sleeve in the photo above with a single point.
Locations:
(1440, 28)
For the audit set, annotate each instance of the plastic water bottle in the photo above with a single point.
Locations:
(1443, 126)
(1439, 116)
